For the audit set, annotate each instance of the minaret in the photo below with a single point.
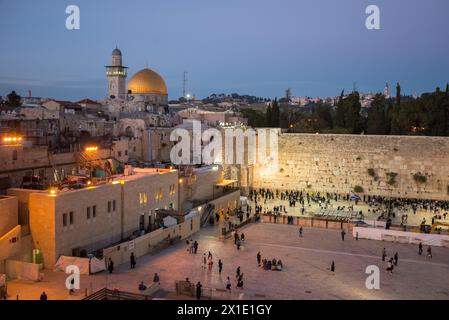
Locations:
(116, 74)
(386, 93)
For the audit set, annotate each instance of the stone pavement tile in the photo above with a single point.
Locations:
(306, 273)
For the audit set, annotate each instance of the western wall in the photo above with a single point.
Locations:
(396, 166)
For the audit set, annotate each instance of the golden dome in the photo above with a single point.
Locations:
(147, 81)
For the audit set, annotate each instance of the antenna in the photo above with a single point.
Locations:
(184, 82)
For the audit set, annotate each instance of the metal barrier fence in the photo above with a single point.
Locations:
(108, 294)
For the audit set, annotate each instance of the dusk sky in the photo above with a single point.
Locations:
(257, 47)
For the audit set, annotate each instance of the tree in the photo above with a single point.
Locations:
(340, 112)
(255, 118)
(14, 100)
(377, 123)
(398, 94)
(275, 114)
(348, 113)
(268, 116)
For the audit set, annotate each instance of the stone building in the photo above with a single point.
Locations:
(68, 222)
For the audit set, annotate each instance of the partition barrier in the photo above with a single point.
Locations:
(150, 242)
(401, 236)
(22, 270)
(309, 222)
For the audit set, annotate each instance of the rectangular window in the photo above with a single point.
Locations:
(119, 153)
(109, 206)
(126, 152)
(14, 155)
(113, 205)
(64, 219)
(88, 213)
(94, 211)
(71, 217)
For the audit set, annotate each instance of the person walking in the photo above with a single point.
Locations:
(72, 286)
(356, 236)
(228, 284)
(237, 272)
(195, 247)
(209, 255)
(240, 284)
(238, 244)
(343, 233)
(132, 260)
(204, 261)
(259, 257)
(198, 290)
(333, 266)
(384, 254)
(242, 237)
(110, 265)
(390, 266)
(396, 258)
(429, 252)
(300, 231)
(420, 248)
(220, 266)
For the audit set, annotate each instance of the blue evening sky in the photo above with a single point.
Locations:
(257, 47)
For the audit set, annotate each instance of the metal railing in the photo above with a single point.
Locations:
(108, 294)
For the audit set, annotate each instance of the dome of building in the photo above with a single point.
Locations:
(116, 52)
(147, 81)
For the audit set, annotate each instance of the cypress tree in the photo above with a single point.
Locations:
(268, 116)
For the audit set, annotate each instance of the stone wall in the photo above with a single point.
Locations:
(397, 166)
(8, 214)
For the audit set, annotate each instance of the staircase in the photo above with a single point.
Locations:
(206, 214)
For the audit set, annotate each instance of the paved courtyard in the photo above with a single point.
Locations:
(306, 273)
(313, 207)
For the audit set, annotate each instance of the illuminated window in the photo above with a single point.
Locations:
(143, 198)
(172, 189)
(159, 195)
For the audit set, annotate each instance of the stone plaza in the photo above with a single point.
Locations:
(306, 273)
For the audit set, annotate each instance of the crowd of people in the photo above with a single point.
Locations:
(383, 208)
